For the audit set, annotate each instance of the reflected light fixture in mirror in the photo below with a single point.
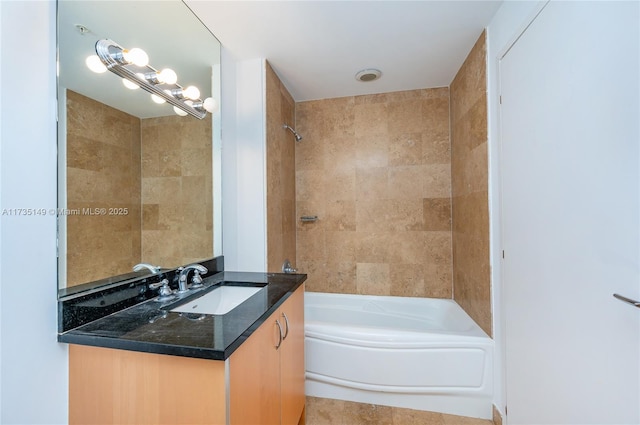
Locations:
(133, 66)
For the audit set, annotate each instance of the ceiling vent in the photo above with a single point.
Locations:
(367, 75)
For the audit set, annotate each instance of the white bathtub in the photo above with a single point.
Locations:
(416, 353)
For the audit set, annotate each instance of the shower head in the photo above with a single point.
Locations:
(295, 133)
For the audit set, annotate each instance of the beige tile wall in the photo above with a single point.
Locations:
(470, 218)
(376, 171)
(177, 197)
(103, 171)
(281, 189)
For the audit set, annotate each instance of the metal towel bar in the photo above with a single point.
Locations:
(627, 300)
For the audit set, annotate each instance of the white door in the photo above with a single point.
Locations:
(571, 228)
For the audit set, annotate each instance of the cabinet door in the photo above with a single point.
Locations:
(254, 378)
(292, 359)
(109, 386)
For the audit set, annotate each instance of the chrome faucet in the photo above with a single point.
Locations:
(184, 272)
(153, 269)
(288, 268)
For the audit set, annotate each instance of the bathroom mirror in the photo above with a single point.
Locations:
(137, 183)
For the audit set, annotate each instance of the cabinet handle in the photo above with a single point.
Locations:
(279, 334)
(286, 322)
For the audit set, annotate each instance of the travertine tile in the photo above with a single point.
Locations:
(406, 182)
(372, 183)
(176, 190)
(155, 189)
(103, 171)
(437, 214)
(437, 181)
(311, 245)
(372, 151)
(462, 420)
(376, 159)
(470, 83)
(324, 411)
(310, 186)
(371, 119)
(407, 247)
(497, 417)
(372, 215)
(404, 215)
(405, 149)
(339, 184)
(408, 280)
(372, 246)
(406, 116)
(469, 164)
(373, 279)
(309, 154)
(359, 413)
(339, 153)
(150, 217)
(340, 277)
(340, 215)
(415, 417)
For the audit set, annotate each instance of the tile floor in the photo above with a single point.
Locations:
(322, 411)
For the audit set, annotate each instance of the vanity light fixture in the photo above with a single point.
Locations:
(133, 66)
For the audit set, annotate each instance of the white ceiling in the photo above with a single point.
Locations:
(316, 47)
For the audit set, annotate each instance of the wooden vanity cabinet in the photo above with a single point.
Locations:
(267, 371)
(109, 386)
(258, 384)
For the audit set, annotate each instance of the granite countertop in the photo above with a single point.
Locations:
(150, 327)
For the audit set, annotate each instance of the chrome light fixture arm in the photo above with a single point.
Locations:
(111, 55)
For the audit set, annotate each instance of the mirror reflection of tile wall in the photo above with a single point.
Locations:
(158, 169)
(103, 171)
(177, 193)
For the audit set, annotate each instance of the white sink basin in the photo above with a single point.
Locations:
(219, 301)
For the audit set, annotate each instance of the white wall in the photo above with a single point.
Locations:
(607, 109)
(507, 24)
(244, 164)
(33, 365)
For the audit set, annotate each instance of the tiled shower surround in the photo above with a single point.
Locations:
(281, 190)
(376, 170)
(159, 169)
(399, 184)
(469, 171)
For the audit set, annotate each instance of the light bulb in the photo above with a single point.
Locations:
(179, 111)
(191, 92)
(136, 56)
(94, 63)
(167, 76)
(210, 105)
(158, 99)
(129, 84)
